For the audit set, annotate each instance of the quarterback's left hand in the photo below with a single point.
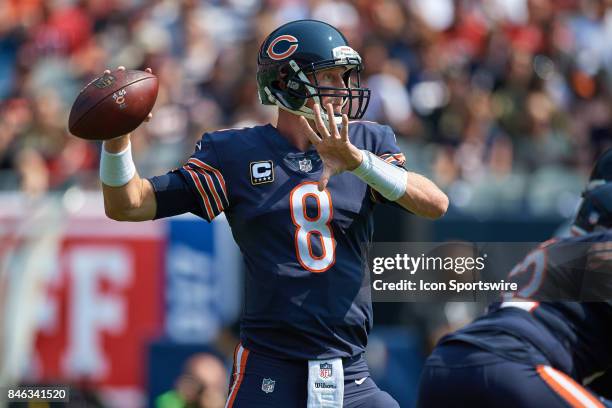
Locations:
(334, 147)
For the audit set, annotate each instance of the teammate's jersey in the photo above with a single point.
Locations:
(575, 337)
(306, 296)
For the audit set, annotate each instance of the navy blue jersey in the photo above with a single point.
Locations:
(459, 375)
(574, 337)
(306, 292)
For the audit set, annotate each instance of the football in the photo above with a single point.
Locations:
(113, 104)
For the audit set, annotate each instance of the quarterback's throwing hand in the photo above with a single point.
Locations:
(334, 147)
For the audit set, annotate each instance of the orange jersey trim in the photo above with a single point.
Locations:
(568, 389)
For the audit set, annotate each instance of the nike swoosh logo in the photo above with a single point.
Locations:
(359, 382)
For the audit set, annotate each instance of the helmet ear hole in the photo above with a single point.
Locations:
(287, 82)
(297, 88)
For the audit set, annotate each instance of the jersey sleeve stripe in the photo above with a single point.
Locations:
(203, 195)
(216, 172)
(572, 392)
(521, 303)
(397, 158)
(211, 187)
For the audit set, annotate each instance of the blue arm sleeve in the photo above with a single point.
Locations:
(173, 195)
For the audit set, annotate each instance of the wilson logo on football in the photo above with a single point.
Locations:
(274, 45)
(104, 81)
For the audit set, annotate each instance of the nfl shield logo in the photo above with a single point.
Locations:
(305, 165)
(267, 385)
(325, 370)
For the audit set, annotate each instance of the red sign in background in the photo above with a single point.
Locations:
(104, 306)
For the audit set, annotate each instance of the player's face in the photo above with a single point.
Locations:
(332, 77)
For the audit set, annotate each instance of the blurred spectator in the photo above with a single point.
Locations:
(203, 384)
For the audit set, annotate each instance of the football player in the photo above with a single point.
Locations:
(531, 351)
(298, 197)
(600, 174)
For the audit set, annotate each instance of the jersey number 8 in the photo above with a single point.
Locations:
(309, 228)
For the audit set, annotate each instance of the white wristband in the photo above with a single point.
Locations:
(389, 180)
(117, 169)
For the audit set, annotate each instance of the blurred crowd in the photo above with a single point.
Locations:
(504, 103)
